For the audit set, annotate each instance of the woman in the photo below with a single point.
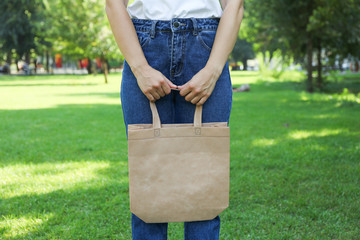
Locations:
(179, 45)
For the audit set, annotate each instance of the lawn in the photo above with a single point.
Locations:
(295, 160)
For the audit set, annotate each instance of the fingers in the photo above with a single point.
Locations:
(156, 95)
(194, 95)
(160, 89)
(184, 90)
(154, 84)
(167, 86)
(150, 97)
(195, 100)
(199, 99)
(163, 87)
(202, 100)
(170, 84)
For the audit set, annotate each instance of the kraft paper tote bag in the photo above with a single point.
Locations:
(178, 172)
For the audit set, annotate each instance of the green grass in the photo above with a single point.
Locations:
(295, 160)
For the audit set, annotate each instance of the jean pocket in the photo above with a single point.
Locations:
(206, 38)
(143, 37)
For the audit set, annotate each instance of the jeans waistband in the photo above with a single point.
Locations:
(176, 25)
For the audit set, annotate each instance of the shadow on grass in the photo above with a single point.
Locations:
(294, 165)
(49, 143)
(294, 168)
(98, 211)
(66, 133)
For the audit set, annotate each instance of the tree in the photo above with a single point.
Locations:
(301, 27)
(81, 31)
(242, 51)
(18, 27)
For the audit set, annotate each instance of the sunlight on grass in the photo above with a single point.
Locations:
(345, 96)
(269, 76)
(43, 178)
(325, 116)
(14, 227)
(16, 93)
(302, 134)
(263, 142)
(241, 77)
(64, 175)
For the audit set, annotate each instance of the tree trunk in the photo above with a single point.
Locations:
(47, 67)
(8, 63)
(35, 67)
(52, 64)
(341, 61)
(309, 83)
(27, 58)
(271, 55)
(17, 65)
(8, 58)
(264, 56)
(89, 66)
(105, 68)
(245, 64)
(319, 67)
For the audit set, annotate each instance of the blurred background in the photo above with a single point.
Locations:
(74, 37)
(295, 129)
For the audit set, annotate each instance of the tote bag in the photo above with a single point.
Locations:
(178, 172)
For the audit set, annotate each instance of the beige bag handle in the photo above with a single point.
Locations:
(156, 118)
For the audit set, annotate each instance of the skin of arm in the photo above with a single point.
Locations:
(151, 82)
(200, 87)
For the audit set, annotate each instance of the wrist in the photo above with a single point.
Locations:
(214, 69)
(139, 67)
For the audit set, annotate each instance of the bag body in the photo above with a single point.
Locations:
(178, 172)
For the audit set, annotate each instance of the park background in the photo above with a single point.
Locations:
(295, 136)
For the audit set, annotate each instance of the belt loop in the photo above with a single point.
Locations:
(195, 32)
(152, 31)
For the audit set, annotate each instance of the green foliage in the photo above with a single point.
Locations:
(19, 29)
(336, 24)
(81, 30)
(76, 29)
(295, 170)
(298, 28)
(243, 51)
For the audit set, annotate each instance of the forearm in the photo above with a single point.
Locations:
(226, 35)
(125, 34)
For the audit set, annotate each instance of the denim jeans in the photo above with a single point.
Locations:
(178, 49)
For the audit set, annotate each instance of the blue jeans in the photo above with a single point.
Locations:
(178, 49)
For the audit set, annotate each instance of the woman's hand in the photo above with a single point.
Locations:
(152, 82)
(200, 87)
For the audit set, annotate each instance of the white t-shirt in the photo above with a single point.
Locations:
(168, 9)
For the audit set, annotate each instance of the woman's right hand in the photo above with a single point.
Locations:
(152, 82)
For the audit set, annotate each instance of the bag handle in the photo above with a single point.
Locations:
(156, 118)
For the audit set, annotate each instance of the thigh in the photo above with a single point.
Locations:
(218, 106)
(135, 105)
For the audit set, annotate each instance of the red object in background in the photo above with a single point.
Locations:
(98, 62)
(83, 63)
(58, 60)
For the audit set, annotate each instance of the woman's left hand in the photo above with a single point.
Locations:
(200, 87)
